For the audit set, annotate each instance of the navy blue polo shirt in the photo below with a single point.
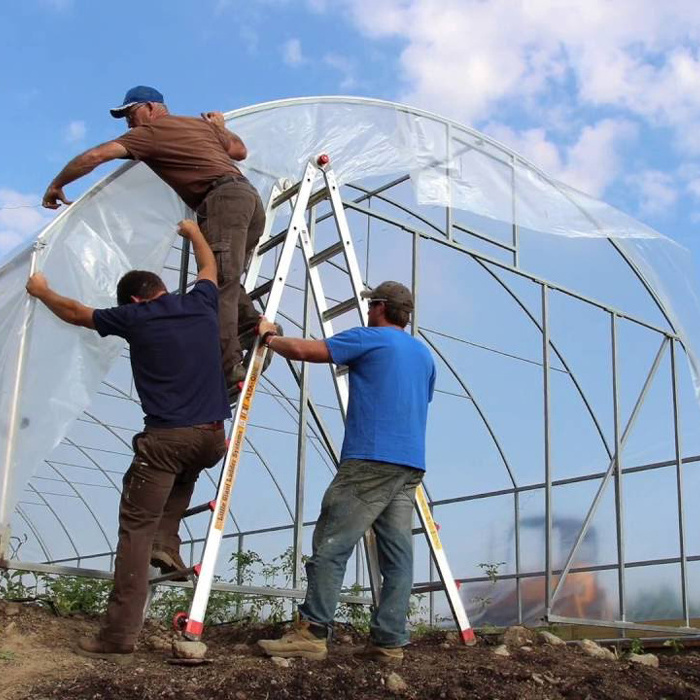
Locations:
(175, 355)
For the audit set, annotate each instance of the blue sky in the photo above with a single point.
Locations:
(605, 96)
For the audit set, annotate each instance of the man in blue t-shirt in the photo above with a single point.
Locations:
(392, 376)
(176, 363)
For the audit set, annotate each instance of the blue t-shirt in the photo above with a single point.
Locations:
(175, 355)
(392, 376)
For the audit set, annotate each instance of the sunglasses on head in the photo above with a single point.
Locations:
(374, 302)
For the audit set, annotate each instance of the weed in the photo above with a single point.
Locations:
(636, 646)
(7, 655)
(675, 645)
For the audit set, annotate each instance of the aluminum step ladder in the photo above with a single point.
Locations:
(301, 196)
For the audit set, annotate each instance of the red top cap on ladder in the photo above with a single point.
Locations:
(323, 159)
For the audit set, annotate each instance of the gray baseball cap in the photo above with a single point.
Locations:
(393, 293)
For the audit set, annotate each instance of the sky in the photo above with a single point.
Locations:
(604, 95)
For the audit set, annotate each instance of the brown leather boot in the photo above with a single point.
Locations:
(168, 560)
(97, 648)
(389, 656)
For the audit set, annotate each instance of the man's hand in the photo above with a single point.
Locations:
(188, 229)
(51, 197)
(264, 326)
(37, 285)
(216, 118)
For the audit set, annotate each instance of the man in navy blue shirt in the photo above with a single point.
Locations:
(392, 376)
(176, 362)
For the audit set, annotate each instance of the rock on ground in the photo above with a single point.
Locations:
(590, 648)
(644, 659)
(501, 650)
(395, 683)
(518, 637)
(549, 638)
(281, 662)
(189, 650)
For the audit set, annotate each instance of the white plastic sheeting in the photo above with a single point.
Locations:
(129, 219)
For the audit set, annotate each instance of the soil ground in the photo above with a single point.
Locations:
(37, 661)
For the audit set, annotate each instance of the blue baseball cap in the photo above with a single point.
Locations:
(137, 95)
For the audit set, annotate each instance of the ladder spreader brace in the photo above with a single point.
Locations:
(301, 197)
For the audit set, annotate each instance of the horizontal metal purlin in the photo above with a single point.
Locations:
(13, 565)
(561, 482)
(640, 626)
(339, 309)
(505, 266)
(326, 254)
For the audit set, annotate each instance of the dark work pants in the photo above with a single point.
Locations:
(232, 219)
(157, 489)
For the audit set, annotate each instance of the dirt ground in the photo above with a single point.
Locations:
(37, 661)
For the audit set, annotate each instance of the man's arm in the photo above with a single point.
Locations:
(68, 310)
(206, 263)
(234, 145)
(293, 348)
(79, 166)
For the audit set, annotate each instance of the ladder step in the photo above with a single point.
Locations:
(178, 573)
(199, 509)
(261, 290)
(317, 196)
(272, 242)
(340, 309)
(326, 254)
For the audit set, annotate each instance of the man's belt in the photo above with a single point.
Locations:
(229, 177)
(215, 425)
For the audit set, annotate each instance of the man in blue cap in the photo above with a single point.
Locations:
(196, 158)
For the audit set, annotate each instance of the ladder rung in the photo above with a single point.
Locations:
(199, 509)
(178, 573)
(261, 290)
(341, 370)
(326, 254)
(339, 309)
(286, 195)
(271, 243)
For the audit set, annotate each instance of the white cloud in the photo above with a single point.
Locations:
(590, 163)
(345, 67)
(467, 58)
(20, 218)
(658, 191)
(75, 131)
(291, 52)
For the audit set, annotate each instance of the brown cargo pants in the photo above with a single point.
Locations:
(157, 489)
(232, 219)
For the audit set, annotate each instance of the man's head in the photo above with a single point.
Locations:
(390, 303)
(139, 285)
(141, 105)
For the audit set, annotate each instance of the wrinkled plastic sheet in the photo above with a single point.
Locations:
(128, 221)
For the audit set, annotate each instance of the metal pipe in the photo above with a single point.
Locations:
(547, 456)
(619, 501)
(679, 486)
(14, 422)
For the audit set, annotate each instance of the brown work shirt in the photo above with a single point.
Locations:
(188, 153)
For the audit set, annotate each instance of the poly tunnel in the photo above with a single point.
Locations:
(562, 454)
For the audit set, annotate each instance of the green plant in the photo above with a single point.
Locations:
(12, 583)
(675, 645)
(357, 615)
(71, 594)
(492, 570)
(7, 655)
(636, 646)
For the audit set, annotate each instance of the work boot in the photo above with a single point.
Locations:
(389, 656)
(299, 641)
(97, 648)
(237, 379)
(168, 560)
